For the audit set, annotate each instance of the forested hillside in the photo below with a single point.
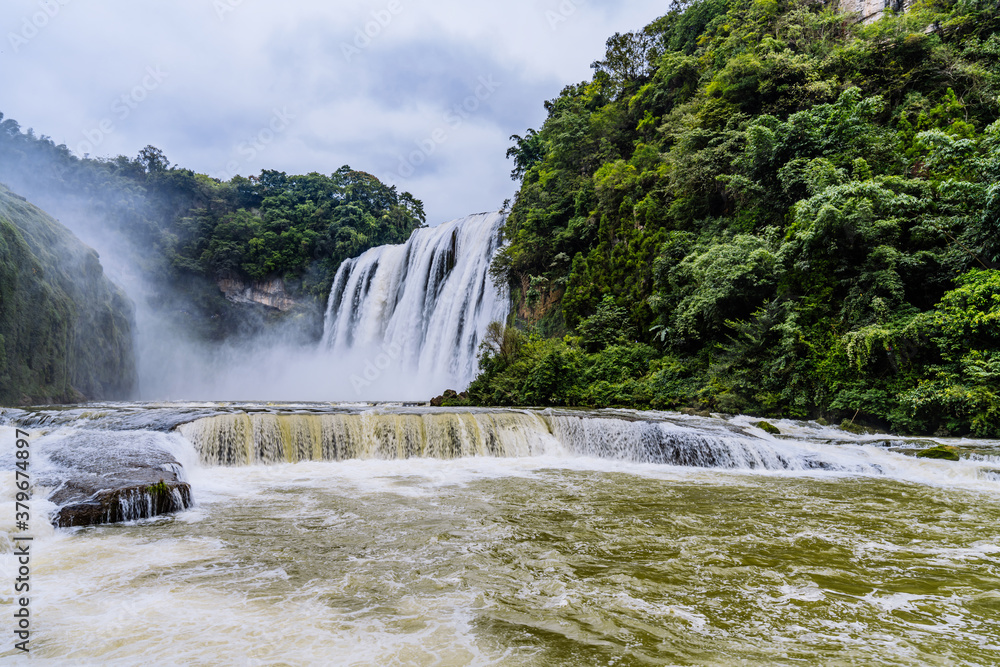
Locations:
(185, 231)
(766, 207)
(65, 329)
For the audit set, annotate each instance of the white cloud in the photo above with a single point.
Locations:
(228, 65)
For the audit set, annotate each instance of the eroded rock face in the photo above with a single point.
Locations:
(871, 10)
(270, 293)
(107, 477)
(126, 504)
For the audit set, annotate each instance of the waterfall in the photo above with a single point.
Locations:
(255, 438)
(240, 439)
(100, 469)
(419, 309)
(668, 443)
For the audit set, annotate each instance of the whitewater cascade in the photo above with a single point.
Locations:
(420, 308)
(263, 438)
(123, 462)
(242, 439)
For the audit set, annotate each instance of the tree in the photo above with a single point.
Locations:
(153, 160)
(527, 152)
(629, 59)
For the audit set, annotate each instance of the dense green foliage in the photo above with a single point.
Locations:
(186, 230)
(776, 210)
(65, 329)
(292, 226)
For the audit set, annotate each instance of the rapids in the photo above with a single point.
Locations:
(390, 534)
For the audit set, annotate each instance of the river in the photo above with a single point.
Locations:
(573, 548)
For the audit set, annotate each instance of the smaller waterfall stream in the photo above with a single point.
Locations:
(242, 439)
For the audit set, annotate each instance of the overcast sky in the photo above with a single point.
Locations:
(423, 94)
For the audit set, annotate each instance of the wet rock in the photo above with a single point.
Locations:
(126, 504)
(851, 427)
(107, 477)
(270, 293)
(450, 397)
(767, 427)
(942, 452)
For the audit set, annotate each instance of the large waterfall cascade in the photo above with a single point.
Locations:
(420, 308)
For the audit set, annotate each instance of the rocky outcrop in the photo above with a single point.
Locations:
(450, 398)
(270, 293)
(107, 477)
(943, 452)
(126, 504)
(767, 427)
(65, 328)
(871, 10)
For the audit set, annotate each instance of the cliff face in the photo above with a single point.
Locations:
(870, 10)
(65, 328)
(270, 293)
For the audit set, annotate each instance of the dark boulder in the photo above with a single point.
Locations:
(107, 477)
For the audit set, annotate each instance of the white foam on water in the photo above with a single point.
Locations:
(39, 526)
(181, 596)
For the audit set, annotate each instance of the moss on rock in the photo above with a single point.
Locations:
(942, 452)
(767, 427)
(851, 427)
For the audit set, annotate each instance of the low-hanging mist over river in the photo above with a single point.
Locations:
(402, 322)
